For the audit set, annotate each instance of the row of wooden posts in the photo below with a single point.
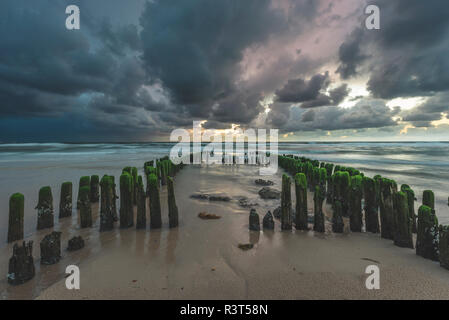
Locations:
(92, 190)
(346, 189)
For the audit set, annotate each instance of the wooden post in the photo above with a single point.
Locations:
(126, 200)
(286, 204)
(85, 208)
(45, 209)
(16, 213)
(172, 207)
(155, 204)
(301, 218)
(65, 200)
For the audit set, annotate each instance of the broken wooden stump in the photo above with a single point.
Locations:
(254, 224)
(51, 248)
(268, 221)
(76, 243)
(21, 264)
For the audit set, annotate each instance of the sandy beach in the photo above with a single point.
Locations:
(201, 260)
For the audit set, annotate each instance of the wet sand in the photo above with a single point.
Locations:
(201, 260)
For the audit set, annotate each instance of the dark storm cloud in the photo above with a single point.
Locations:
(365, 114)
(312, 93)
(408, 55)
(431, 110)
(194, 46)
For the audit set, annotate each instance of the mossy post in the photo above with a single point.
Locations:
(427, 235)
(16, 213)
(106, 208)
(45, 218)
(155, 203)
(172, 207)
(94, 189)
(126, 200)
(386, 209)
(355, 205)
(301, 221)
(85, 208)
(337, 218)
(286, 204)
(84, 181)
(65, 200)
(403, 223)
(343, 191)
(411, 204)
(114, 200)
(135, 182)
(428, 199)
(371, 208)
(444, 246)
(318, 198)
(141, 222)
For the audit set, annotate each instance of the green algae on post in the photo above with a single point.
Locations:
(318, 221)
(428, 199)
(84, 181)
(16, 214)
(427, 235)
(411, 204)
(155, 204)
(141, 222)
(85, 208)
(65, 200)
(254, 224)
(286, 204)
(172, 207)
(355, 204)
(386, 208)
(126, 200)
(403, 223)
(45, 218)
(21, 264)
(134, 174)
(114, 201)
(94, 189)
(106, 206)
(371, 208)
(301, 222)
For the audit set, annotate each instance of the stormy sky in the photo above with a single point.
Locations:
(138, 69)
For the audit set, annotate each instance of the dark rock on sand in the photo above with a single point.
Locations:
(262, 182)
(269, 193)
(210, 197)
(208, 216)
(246, 246)
(21, 264)
(268, 222)
(51, 248)
(245, 203)
(76, 243)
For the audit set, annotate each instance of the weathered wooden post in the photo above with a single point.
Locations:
(355, 205)
(114, 201)
(85, 208)
(254, 224)
(134, 174)
(371, 208)
(155, 203)
(403, 223)
(76, 243)
(65, 200)
(16, 213)
(21, 264)
(318, 221)
(386, 209)
(45, 218)
(329, 168)
(141, 222)
(172, 207)
(344, 191)
(126, 200)
(84, 181)
(301, 221)
(94, 189)
(286, 204)
(427, 236)
(106, 208)
(428, 199)
(337, 218)
(51, 248)
(411, 204)
(268, 221)
(444, 246)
